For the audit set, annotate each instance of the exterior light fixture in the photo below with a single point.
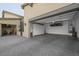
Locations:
(25, 24)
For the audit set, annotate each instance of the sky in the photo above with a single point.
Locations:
(12, 7)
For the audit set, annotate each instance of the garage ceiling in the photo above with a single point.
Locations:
(65, 13)
(66, 16)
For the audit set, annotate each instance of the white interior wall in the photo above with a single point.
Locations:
(77, 23)
(31, 27)
(59, 29)
(38, 29)
(77, 27)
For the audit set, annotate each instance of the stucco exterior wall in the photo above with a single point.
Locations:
(42, 8)
(36, 10)
(9, 15)
(0, 30)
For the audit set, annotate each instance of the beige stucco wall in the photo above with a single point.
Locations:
(41, 8)
(36, 10)
(13, 22)
(9, 15)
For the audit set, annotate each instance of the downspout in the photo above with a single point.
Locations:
(21, 27)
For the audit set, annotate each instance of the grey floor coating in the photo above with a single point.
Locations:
(42, 45)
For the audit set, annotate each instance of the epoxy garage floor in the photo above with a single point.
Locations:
(43, 45)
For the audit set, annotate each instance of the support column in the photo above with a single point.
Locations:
(0, 30)
(76, 20)
(26, 29)
(27, 16)
(74, 25)
(45, 28)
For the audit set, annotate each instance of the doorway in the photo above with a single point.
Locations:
(8, 29)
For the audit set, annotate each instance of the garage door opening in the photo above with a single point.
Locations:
(63, 24)
(8, 29)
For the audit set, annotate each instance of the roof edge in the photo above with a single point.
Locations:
(4, 11)
(32, 19)
(10, 18)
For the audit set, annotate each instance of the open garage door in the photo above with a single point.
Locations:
(8, 29)
(64, 22)
(61, 24)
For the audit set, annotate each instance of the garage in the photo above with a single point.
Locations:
(11, 24)
(53, 25)
(8, 29)
(62, 23)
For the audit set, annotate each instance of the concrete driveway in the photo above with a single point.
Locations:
(43, 45)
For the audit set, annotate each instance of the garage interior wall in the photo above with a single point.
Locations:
(77, 23)
(31, 28)
(58, 29)
(38, 29)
